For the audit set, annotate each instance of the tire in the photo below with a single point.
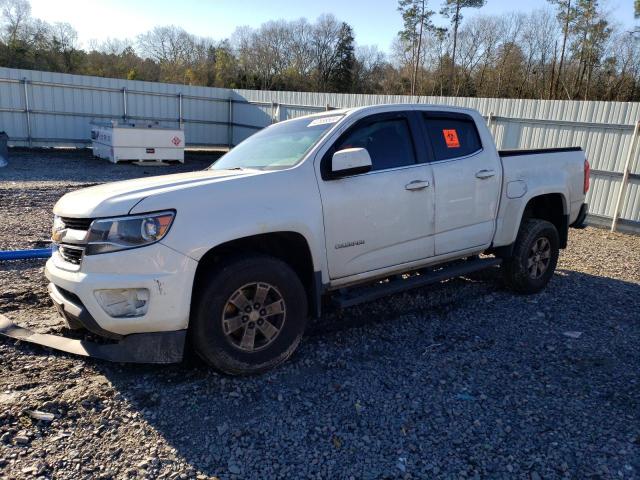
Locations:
(237, 336)
(534, 258)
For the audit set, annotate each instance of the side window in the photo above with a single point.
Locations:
(451, 136)
(388, 142)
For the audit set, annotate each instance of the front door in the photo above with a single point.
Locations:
(384, 217)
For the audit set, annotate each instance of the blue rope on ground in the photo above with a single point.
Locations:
(25, 254)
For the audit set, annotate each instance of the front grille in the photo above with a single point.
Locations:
(71, 254)
(77, 223)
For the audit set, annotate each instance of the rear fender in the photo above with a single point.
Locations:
(512, 211)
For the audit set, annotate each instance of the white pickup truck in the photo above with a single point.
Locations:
(346, 205)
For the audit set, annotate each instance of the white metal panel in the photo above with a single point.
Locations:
(631, 210)
(62, 110)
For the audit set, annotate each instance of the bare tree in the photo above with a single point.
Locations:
(65, 36)
(539, 35)
(489, 31)
(16, 15)
(112, 46)
(369, 68)
(300, 48)
(64, 41)
(172, 48)
(573, 51)
(268, 51)
(324, 40)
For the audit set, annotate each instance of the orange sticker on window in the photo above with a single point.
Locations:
(451, 137)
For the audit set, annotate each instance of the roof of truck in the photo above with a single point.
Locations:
(408, 106)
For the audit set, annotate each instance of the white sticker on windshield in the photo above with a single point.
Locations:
(324, 120)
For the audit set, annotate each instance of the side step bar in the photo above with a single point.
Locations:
(356, 295)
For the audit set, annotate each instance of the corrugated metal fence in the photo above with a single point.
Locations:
(52, 109)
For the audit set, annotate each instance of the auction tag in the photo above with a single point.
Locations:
(451, 137)
(324, 120)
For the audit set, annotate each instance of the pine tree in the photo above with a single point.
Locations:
(342, 78)
(592, 31)
(416, 19)
(453, 9)
(566, 14)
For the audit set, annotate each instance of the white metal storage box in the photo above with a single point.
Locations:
(120, 142)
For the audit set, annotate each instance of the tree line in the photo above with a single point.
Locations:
(570, 50)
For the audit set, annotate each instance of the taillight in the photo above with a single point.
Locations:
(587, 175)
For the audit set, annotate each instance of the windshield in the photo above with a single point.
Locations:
(278, 146)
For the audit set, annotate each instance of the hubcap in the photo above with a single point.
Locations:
(539, 258)
(253, 316)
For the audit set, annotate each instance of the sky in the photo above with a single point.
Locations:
(375, 22)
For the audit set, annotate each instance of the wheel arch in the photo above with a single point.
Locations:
(551, 206)
(288, 246)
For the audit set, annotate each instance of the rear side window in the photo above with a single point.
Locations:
(451, 136)
(388, 142)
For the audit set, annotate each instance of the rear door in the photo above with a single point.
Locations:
(467, 182)
(384, 217)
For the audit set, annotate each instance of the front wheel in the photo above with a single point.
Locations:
(535, 256)
(249, 315)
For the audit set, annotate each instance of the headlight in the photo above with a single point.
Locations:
(58, 226)
(113, 234)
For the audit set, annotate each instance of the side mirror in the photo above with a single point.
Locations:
(350, 161)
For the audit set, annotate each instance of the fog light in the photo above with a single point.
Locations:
(125, 302)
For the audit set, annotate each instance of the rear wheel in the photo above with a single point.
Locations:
(535, 256)
(249, 315)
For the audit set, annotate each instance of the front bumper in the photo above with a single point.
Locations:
(158, 336)
(75, 314)
(159, 347)
(166, 274)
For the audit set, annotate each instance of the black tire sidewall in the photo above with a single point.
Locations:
(518, 273)
(207, 333)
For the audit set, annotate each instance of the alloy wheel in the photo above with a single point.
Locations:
(254, 316)
(539, 258)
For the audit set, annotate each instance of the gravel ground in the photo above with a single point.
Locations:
(459, 380)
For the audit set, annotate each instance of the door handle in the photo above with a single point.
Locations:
(417, 185)
(482, 174)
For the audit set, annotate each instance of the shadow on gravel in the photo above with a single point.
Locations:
(459, 377)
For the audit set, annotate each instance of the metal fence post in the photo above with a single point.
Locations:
(274, 105)
(124, 104)
(625, 178)
(27, 110)
(230, 124)
(180, 119)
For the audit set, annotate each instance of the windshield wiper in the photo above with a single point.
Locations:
(246, 168)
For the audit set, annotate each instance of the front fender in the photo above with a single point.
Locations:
(269, 202)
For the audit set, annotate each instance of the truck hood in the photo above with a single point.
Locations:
(118, 198)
